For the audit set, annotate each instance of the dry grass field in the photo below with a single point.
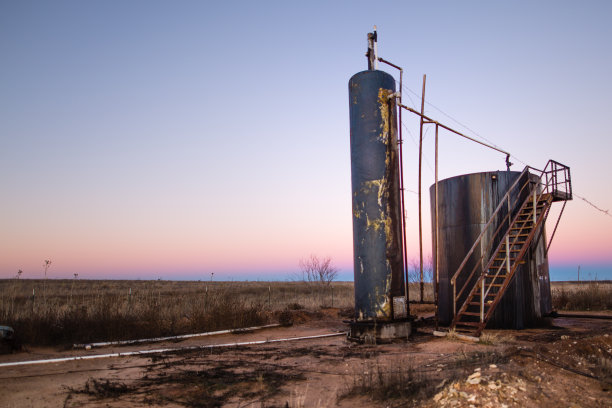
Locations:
(67, 311)
(62, 312)
(584, 295)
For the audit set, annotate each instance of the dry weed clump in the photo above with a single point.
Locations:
(382, 383)
(78, 311)
(492, 339)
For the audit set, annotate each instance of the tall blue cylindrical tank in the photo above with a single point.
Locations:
(377, 238)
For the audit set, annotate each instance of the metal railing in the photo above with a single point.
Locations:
(554, 180)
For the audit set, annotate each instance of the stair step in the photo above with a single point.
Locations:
(538, 206)
(488, 299)
(475, 324)
(465, 331)
(512, 258)
(471, 314)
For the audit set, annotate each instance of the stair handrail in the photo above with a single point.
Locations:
(490, 245)
(550, 186)
(535, 198)
(482, 233)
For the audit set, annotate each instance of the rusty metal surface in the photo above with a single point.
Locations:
(466, 205)
(377, 238)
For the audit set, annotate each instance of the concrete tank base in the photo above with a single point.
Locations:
(373, 332)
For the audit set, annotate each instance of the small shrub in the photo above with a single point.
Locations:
(285, 318)
(494, 338)
(295, 306)
(383, 383)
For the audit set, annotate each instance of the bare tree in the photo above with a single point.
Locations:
(320, 271)
(414, 276)
(46, 265)
(414, 270)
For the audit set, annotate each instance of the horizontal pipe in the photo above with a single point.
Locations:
(165, 350)
(430, 120)
(390, 63)
(183, 336)
(581, 316)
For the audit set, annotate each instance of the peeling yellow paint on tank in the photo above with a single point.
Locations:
(376, 224)
(383, 102)
(388, 232)
(381, 185)
(385, 309)
(370, 184)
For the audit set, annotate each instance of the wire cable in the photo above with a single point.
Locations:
(605, 212)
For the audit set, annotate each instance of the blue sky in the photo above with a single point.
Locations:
(172, 139)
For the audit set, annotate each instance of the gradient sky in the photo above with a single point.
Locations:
(150, 139)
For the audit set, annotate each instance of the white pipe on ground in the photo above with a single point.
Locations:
(183, 336)
(166, 350)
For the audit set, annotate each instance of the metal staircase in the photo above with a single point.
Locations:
(519, 220)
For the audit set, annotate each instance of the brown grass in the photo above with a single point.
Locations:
(93, 310)
(78, 311)
(588, 295)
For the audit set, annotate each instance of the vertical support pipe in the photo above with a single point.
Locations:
(420, 167)
(535, 206)
(454, 299)
(482, 296)
(509, 214)
(552, 236)
(507, 254)
(437, 231)
(402, 205)
(372, 50)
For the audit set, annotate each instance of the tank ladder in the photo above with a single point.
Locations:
(521, 226)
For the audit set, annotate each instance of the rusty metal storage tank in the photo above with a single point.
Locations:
(377, 238)
(467, 202)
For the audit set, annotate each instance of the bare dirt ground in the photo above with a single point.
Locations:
(567, 363)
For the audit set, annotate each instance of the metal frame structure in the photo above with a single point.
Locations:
(524, 219)
(554, 185)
